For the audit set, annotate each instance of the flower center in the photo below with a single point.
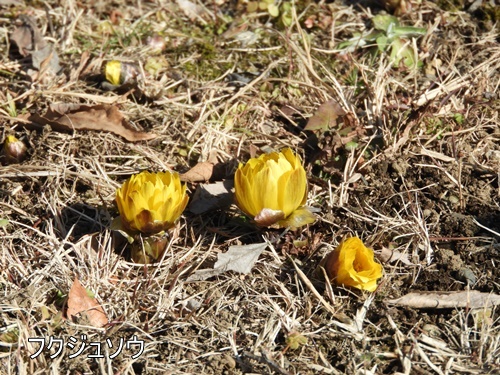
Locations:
(358, 267)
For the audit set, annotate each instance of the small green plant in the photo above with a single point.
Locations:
(435, 126)
(283, 10)
(295, 340)
(459, 118)
(10, 106)
(389, 35)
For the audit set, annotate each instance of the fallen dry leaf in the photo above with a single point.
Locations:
(239, 259)
(29, 41)
(389, 256)
(192, 10)
(201, 172)
(212, 196)
(27, 37)
(77, 73)
(447, 300)
(80, 303)
(46, 59)
(210, 170)
(326, 116)
(103, 117)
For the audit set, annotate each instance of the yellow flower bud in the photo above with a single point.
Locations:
(272, 189)
(151, 202)
(352, 264)
(14, 150)
(112, 72)
(118, 73)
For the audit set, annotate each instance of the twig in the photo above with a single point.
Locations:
(264, 358)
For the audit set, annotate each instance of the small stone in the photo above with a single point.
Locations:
(467, 276)
(230, 362)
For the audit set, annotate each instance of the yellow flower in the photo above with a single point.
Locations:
(352, 264)
(272, 189)
(151, 202)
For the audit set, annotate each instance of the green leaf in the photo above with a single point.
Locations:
(263, 5)
(382, 43)
(4, 223)
(286, 14)
(402, 50)
(349, 146)
(10, 336)
(273, 10)
(459, 118)
(384, 22)
(358, 40)
(372, 36)
(409, 31)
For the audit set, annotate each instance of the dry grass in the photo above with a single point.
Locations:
(423, 181)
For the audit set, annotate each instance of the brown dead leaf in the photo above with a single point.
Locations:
(288, 111)
(29, 41)
(114, 16)
(210, 170)
(326, 116)
(389, 256)
(201, 172)
(77, 73)
(27, 37)
(80, 303)
(103, 117)
(447, 300)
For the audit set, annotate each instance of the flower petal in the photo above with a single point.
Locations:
(298, 218)
(293, 190)
(243, 192)
(268, 217)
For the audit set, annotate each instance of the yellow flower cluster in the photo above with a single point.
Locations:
(270, 189)
(352, 264)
